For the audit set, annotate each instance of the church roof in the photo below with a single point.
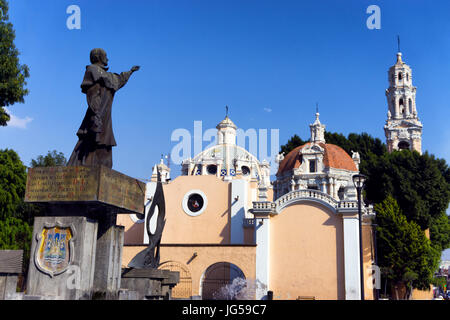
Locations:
(334, 157)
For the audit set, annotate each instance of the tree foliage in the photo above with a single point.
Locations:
(15, 234)
(414, 180)
(440, 231)
(404, 249)
(52, 159)
(363, 143)
(12, 73)
(12, 183)
(15, 229)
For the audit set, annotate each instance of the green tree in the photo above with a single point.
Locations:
(404, 249)
(440, 231)
(15, 234)
(414, 180)
(12, 183)
(52, 159)
(15, 219)
(12, 73)
(363, 143)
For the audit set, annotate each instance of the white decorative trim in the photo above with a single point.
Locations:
(185, 200)
(262, 236)
(351, 258)
(298, 196)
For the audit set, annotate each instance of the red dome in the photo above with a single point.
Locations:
(334, 157)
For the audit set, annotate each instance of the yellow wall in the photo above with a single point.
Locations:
(368, 258)
(241, 256)
(212, 226)
(134, 232)
(306, 253)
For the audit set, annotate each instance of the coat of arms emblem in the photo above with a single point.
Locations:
(54, 252)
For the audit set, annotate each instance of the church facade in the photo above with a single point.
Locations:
(231, 232)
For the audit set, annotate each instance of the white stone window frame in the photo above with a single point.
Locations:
(184, 202)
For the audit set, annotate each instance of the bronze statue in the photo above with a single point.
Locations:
(96, 137)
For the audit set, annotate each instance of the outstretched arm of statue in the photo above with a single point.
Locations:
(135, 68)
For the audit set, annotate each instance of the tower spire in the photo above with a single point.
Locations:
(403, 129)
(226, 131)
(317, 129)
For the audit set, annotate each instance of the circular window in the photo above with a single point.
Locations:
(212, 169)
(194, 202)
(245, 170)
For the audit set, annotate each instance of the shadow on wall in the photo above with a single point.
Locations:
(225, 234)
(135, 234)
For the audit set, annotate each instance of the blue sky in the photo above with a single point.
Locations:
(270, 61)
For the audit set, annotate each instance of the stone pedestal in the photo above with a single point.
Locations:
(149, 284)
(76, 247)
(68, 275)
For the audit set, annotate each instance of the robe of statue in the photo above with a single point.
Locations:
(96, 137)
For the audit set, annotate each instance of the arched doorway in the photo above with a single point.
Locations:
(222, 281)
(183, 289)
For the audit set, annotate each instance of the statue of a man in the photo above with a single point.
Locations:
(96, 137)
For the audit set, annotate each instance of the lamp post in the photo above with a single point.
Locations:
(358, 181)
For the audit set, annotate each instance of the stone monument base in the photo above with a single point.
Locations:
(148, 284)
(76, 250)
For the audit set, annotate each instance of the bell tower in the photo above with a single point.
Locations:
(403, 129)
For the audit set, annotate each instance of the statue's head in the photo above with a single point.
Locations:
(99, 55)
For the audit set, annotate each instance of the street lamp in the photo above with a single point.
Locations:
(358, 181)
